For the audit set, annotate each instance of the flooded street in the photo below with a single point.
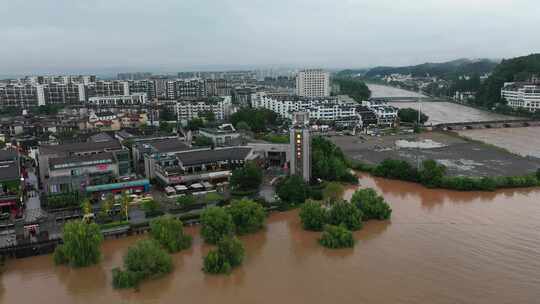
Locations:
(440, 247)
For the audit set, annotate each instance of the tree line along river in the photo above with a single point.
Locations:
(440, 247)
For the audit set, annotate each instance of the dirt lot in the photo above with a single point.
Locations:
(462, 157)
(522, 141)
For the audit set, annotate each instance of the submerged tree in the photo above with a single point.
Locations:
(216, 223)
(169, 232)
(81, 246)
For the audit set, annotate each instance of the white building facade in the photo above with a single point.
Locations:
(318, 109)
(522, 96)
(134, 99)
(313, 83)
(220, 106)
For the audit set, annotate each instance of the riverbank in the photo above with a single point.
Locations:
(481, 243)
(461, 157)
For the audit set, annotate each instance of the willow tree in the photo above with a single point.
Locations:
(81, 246)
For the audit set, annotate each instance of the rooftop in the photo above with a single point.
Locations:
(210, 156)
(78, 161)
(80, 147)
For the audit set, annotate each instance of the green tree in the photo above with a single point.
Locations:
(336, 237)
(230, 253)
(258, 120)
(347, 214)
(166, 114)
(195, 124)
(247, 215)
(313, 216)
(332, 192)
(355, 88)
(431, 173)
(146, 259)
(293, 190)
(81, 246)
(169, 232)
(124, 201)
(165, 127)
(2, 144)
(243, 126)
(203, 141)
(86, 207)
(216, 224)
(208, 116)
(371, 204)
(150, 206)
(106, 206)
(328, 162)
(247, 178)
(410, 115)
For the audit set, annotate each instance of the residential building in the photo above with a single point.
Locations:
(522, 95)
(187, 109)
(179, 88)
(386, 114)
(218, 87)
(119, 100)
(313, 83)
(328, 109)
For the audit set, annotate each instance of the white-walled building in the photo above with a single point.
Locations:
(134, 99)
(189, 109)
(521, 95)
(319, 109)
(313, 83)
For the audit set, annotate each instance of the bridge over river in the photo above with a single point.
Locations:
(487, 124)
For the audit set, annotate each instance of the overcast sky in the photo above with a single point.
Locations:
(175, 35)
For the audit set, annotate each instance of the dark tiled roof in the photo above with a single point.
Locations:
(79, 159)
(209, 156)
(169, 145)
(100, 137)
(80, 147)
(9, 170)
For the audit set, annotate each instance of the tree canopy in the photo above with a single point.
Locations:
(145, 259)
(293, 190)
(372, 205)
(248, 177)
(313, 215)
(81, 246)
(169, 233)
(328, 161)
(258, 120)
(410, 115)
(248, 216)
(230, 253)
(353, 87)
(335, 237)
(347, 214)
(216, 223)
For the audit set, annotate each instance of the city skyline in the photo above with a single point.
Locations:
(105, 37)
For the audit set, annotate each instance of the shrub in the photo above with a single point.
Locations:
(186, 200)
(333, 192)
(313, 216)
(146, 259)
(371, 204)
(335, 237)
(347, 214)
(431, 173)
(59, 255)
(213, 197)
(169, 232)
(229, 254)
(247, 215)
(293, 190)
(81, 244)
(538, 174)
(216, 223)
(396, 169)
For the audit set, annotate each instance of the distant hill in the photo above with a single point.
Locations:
(515, 69)
(443, 70)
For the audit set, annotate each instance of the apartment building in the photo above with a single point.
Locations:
(522, 95)
(186, 88)
(313, 83)
(327, 109)
(188, 109)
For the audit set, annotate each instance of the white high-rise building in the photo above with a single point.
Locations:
(313, 83)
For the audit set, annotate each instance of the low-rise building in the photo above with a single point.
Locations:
(522, 95)
(224, 135)
(72, 167)
(119, 100)
(10, 183)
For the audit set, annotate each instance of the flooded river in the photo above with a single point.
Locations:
(439, 247)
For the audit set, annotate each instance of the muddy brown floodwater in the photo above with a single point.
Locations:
(439, 247)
